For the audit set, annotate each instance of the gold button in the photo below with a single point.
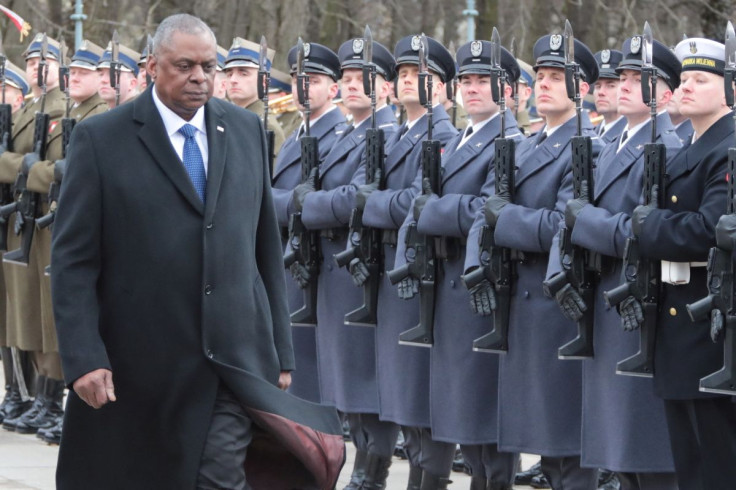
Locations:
(673, 312)
(674, 198)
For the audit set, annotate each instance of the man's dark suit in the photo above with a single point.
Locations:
(174, 296)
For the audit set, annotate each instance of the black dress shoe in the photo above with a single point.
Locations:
(459, 465)
(540, 481)
(525, 477)
(607, 480)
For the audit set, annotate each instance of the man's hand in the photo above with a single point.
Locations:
(285, 380)
(29, 159)
(641, 212)
(482, 298)
(95, 388)
(59, 169)
(301, 190)
(408, 287)
(495, 203)
(364, 191)
(358, 271)
(300, 274)
(421, 200)
(574, 206)
(716, 324)
(631, 313)
(571, 303)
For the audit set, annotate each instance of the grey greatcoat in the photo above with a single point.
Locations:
(403, 371)
(287, 174)
(539, 395)
(174, 296)
(624, 425)
(463, 384)
(346, 353)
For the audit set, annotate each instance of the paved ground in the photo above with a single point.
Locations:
(28, 463)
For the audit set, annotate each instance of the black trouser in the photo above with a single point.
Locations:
(703, 439)
(487, 462)
(432, 456)
(565, 473)
(372, 435)
(647, 481)
(223, 459)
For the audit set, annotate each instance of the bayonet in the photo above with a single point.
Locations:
(43, 70)
(64, 74)
(515, 87)
(452, 86)
(149, 50)
(498, 79)
(115, 66)
(369, 72)
(264, 82)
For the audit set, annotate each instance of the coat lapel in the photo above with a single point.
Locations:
(154, 137)
(288, 155)
(217, 142)
(690, 156)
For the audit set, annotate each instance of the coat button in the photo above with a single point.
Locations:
(210, 225)
(210, 354)
(526, 294)
(208, 289)
(452, 283)
(674, 198)
(673, 312)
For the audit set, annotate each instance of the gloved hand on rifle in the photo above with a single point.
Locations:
(631, 313)
(482, 298)
(300, 274)
(301, 190)
(29, 159)
(59, 169)
(716, 324)
(421, 200)
(726, 232)
(571, 303)
(364, 191)
(642, 212)
(574, 206)
(495, 203)
(408, 287)
(358, 271)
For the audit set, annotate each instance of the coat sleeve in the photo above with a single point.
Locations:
(388, 208)
(76, 255)
(271, 267)
(602, 231)
(472, 250)
(449, 215)
(332, 208)
(282, 201)
(687, 236)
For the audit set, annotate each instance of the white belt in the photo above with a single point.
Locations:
(678, 273)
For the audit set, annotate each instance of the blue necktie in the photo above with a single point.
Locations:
(192, 158)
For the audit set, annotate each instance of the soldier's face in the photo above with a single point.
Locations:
(14, 97)
(83, 84)
(322, 89)
(477, 98)
(408, 82)
(128, 85)
(351, 89)
(242, 84)
(184, 72)
(220, 85)
(702, 94)
(52, 74)
(551, 94)
(606, 95)
(629, 94)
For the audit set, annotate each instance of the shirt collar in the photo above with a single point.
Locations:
(173, 122)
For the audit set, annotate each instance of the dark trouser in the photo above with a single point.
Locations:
(703, 440)
(565, 473)
(487, 462)
(647, 481)
(432, 456)
(223, 459)
(373, 435)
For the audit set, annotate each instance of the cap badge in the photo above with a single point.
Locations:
(416, 43)
(357, 46)
(476, 48)
(606, 55)
(693, 47)
(635, 44)
(307, 49)
(555, 42)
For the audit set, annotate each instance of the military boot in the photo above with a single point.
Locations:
(415, 478)
(358, 475)
(11, 423)
(478, 483)
(50, 411)
(52, 435)
(376, 472)
(434, 482)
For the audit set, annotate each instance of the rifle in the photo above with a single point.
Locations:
(452, 88)
(641, 276)
(580, 267)
(720, 264)
(67, 125)
(305, 249)
(25, 205)
(365, 242)
(264, 81)
(425, 266)
(496, 265)
(115, 66)
(515, 86)
(6, 136)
